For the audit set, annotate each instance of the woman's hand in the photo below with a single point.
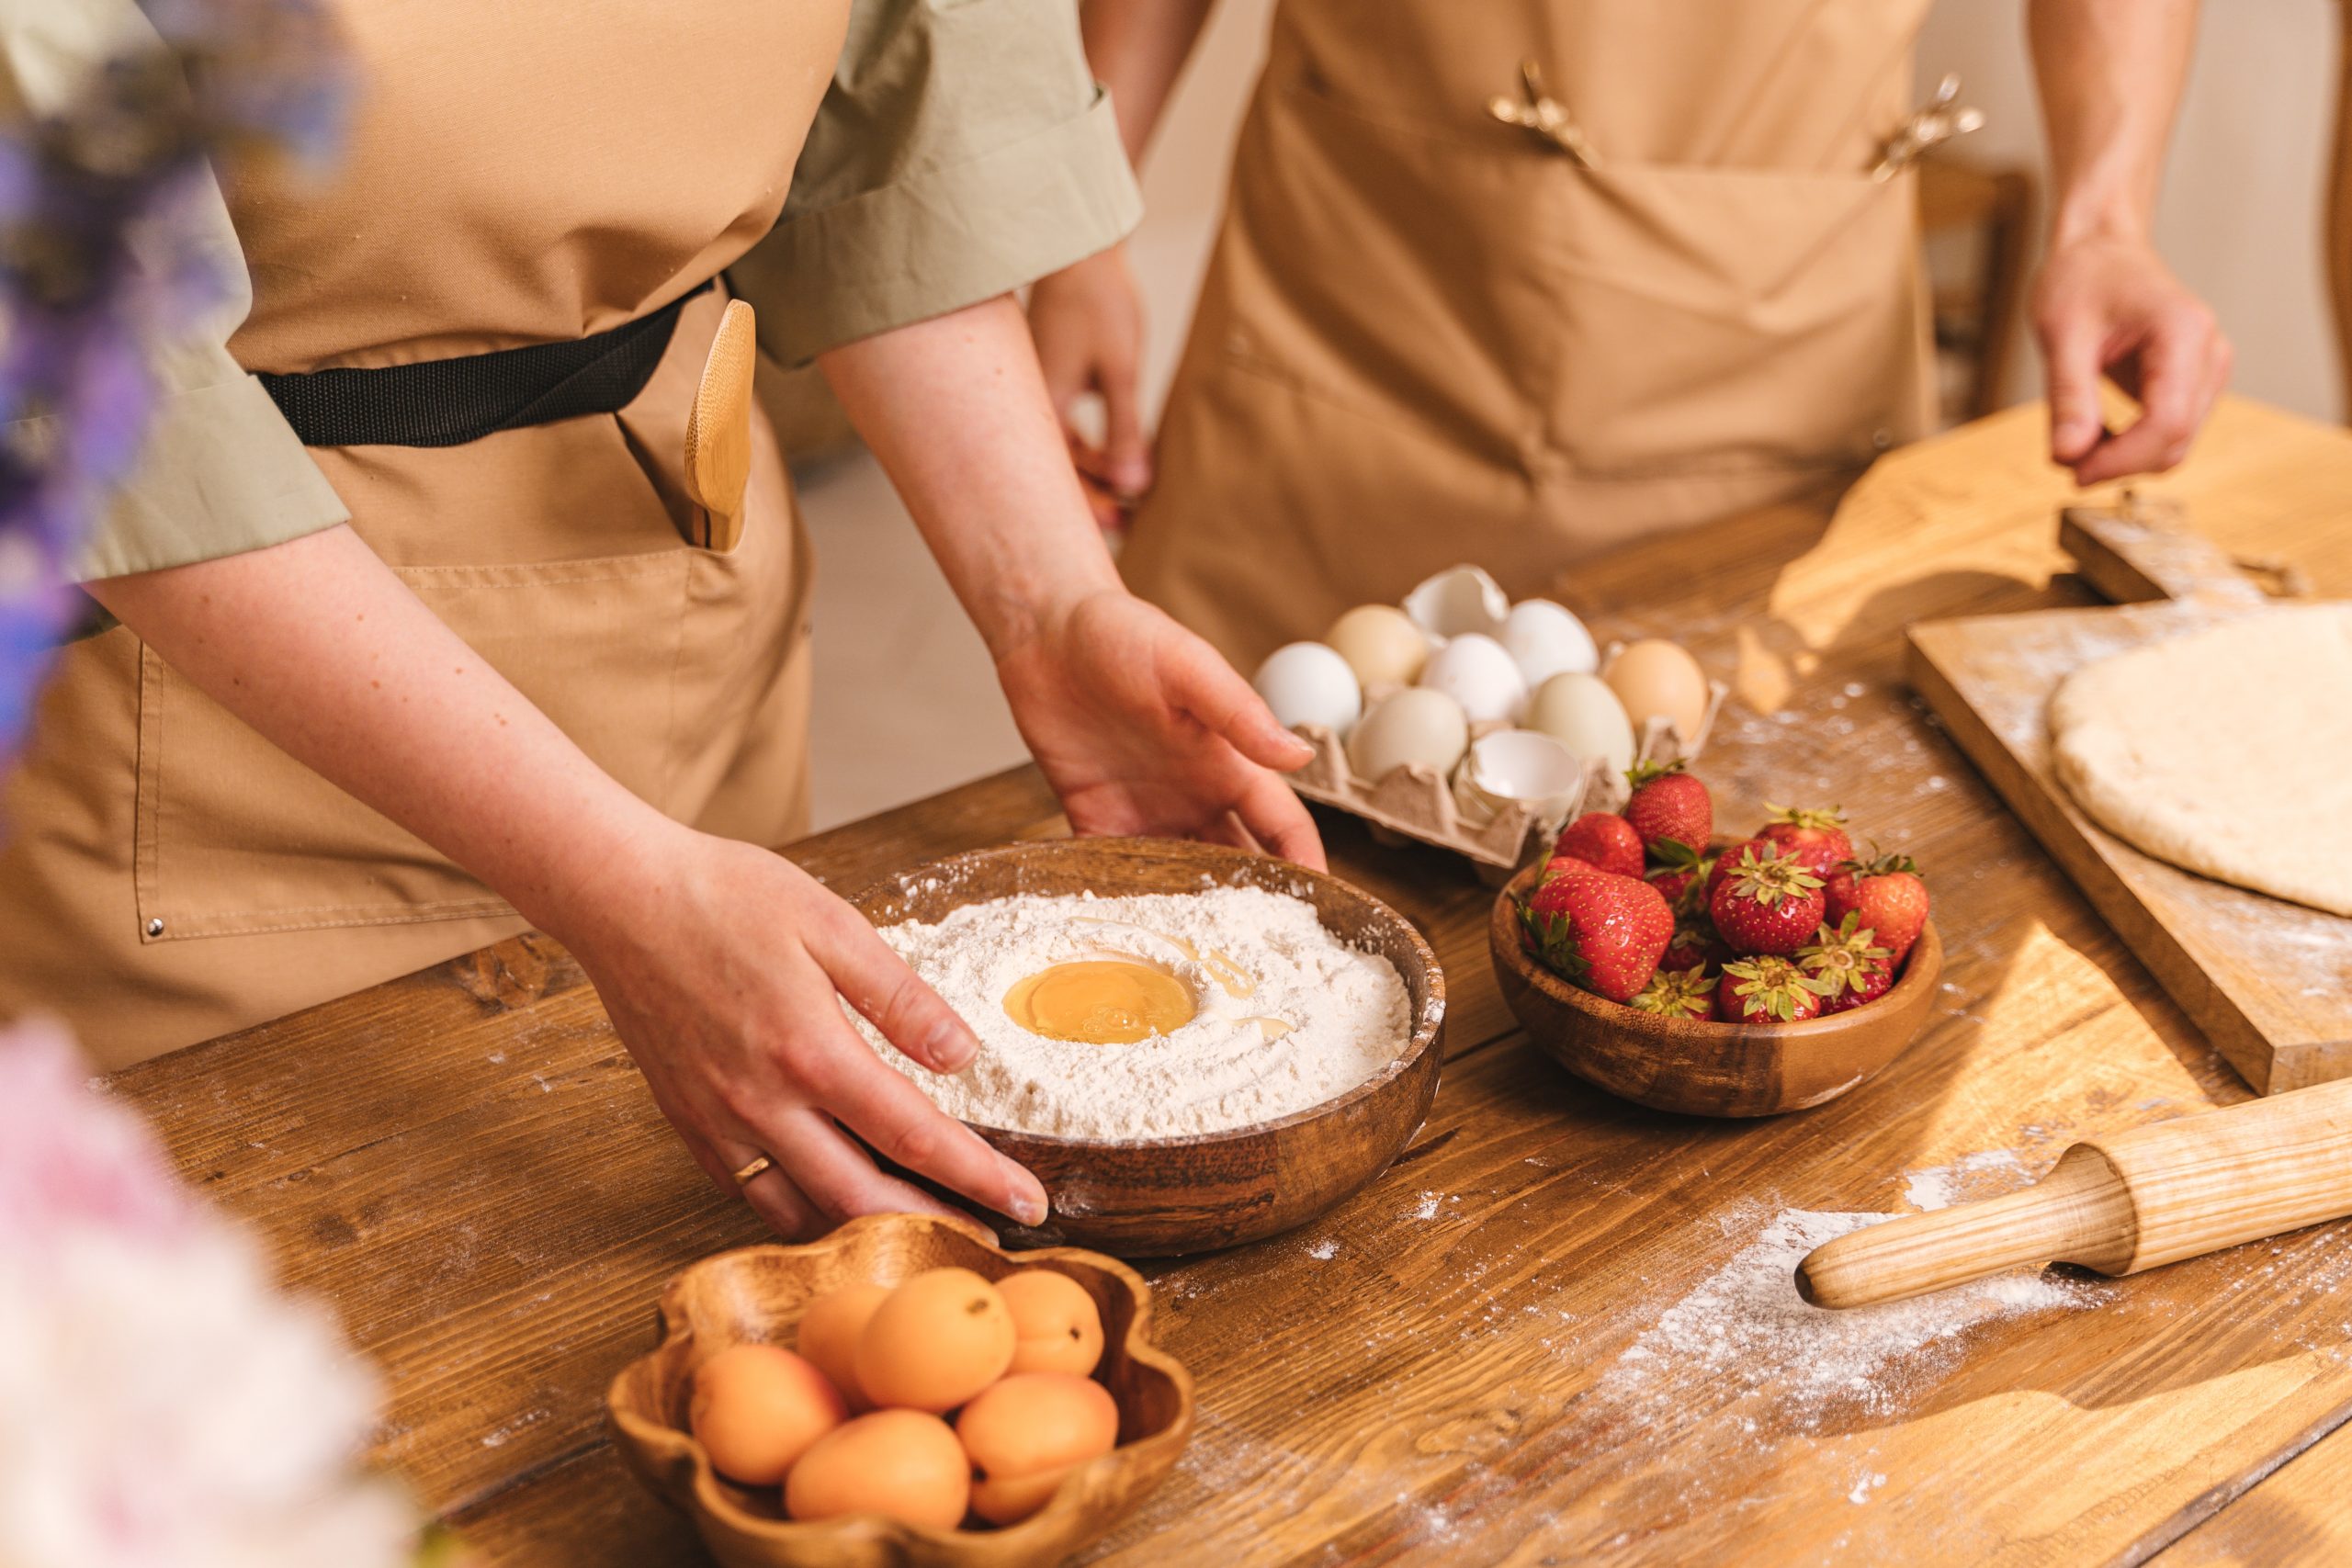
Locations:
(1142, 728)
(1088, 322)
(724, 968)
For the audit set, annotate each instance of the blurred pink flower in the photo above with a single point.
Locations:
(69, 1158)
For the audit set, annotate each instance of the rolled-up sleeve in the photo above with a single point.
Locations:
(962, 151)
(218, 470)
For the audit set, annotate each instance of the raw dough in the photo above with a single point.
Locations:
(2227, 751)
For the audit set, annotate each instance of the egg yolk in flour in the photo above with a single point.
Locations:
(1100, 1001)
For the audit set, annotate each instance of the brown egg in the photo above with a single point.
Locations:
(830, 1331)
(1656, 679)
(936, 1341)
(902, 1464)
(1033, 1424)
(756, 1409)
(1055, 1327)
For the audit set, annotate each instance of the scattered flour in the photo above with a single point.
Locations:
(1746, 1331)
(1941, 1186)
(1347, 1012)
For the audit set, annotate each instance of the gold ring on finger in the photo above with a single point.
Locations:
(744, 1176)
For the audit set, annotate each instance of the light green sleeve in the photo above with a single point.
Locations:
(219, 471)
(963, 151)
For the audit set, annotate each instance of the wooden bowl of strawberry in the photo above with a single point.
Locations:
(1757, 975)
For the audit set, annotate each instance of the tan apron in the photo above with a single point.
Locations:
(1428, 337)
(522, 172)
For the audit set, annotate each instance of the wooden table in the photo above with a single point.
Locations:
(466, 1166)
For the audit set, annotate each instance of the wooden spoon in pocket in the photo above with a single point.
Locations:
(718, 429)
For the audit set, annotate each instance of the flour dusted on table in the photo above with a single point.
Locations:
(1745, 1331)
(1287, 1015)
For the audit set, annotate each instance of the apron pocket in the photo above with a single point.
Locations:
(1719, 320)
(235, 836)
(1624, 322)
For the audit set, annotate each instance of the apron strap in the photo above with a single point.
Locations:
(447, 402)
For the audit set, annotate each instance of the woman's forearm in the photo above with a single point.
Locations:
(318, 646)
(956, 411)
(2110, 74)
(1137, 49)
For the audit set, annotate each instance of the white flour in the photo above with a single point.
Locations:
(1746, 1331)
(1346, 1012)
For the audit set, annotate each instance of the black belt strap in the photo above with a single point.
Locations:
(447, 402)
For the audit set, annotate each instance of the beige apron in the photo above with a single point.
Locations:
(1428, 337)
(522, 172)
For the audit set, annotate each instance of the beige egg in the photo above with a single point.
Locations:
(1056, 1325)
(1416, 726)
(902, 1464)
(936, 1341)
(830, 1331)
(1583, 714)
(1381, 643)
(757, 1409)
(1035, 1423)
(1654, 678)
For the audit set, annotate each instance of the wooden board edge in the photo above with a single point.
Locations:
(2053, 824)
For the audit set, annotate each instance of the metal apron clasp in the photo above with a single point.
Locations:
(1539, 112)
(1933, 122)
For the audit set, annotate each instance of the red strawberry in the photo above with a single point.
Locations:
(1770, 904)
(1567, 865)
(1728, 861)
(1811, 837)
(1605, 933)
(1605, 839)
(1766, 991)
(1848, 960)
(1678, 993)
(1668, 806)
(1887, 896)
(1695, 941)
(1680, 874)
(1874, 983)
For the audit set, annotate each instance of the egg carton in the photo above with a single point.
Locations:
(1419, 805)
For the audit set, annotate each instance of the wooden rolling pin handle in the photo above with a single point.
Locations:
(2080, 1211)
(2153, 1195)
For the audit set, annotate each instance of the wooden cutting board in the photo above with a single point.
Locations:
(2269, 982)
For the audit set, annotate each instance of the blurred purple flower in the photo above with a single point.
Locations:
(95, 259)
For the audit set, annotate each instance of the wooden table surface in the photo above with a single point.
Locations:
(1452, 1365)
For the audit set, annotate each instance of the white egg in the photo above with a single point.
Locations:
(1306, 683)
(1581, 711)
(1416, 726)
(1548, 640)
(1473, 671)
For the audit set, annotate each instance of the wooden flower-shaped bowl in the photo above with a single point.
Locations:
(1165, 1197)
(1704, 1068)
(757, 1293)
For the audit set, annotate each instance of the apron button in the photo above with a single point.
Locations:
(1882, 438)
(154, 927)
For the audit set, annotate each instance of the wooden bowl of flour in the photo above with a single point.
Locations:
(1164, 1197)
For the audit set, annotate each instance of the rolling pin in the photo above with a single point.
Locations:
(2118, 1205)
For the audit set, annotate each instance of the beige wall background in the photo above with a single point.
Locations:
(2239, 220)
